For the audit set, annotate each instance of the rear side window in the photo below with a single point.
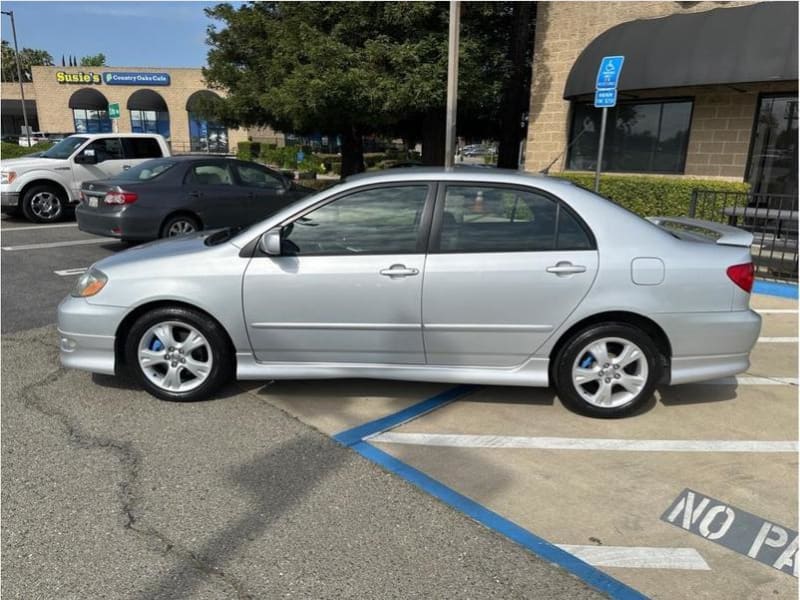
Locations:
(500, 219)
(255, 176)
(144, 147)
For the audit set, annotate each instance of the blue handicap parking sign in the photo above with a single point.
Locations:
(605, 98)
(608, 73)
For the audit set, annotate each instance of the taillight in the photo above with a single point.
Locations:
(742, 275)
(120, 196)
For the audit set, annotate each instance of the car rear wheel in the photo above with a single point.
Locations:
(607, 370)
(178, 354)
(43, 204)
(179, 225)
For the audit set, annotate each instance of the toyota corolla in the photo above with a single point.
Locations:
(465, 276)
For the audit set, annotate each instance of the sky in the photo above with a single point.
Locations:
(130, 34)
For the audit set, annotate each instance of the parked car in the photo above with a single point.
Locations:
(183, 194)
(43, 187)
(464, 276)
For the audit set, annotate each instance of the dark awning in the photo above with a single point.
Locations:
(146, 100)
(746, 44)
(88, 98)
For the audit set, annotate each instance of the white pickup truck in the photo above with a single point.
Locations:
(42, 187)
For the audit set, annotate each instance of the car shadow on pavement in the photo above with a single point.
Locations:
(125, 382)
(696, 394)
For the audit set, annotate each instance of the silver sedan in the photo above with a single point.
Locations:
(464, 276)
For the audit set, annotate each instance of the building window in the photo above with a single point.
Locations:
(91, 121)
(773, 153)
(150, 121)
(207, 136)
(641, 137)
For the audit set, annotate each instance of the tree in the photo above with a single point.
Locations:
(96, 60)
(28, 57)
(352, 68)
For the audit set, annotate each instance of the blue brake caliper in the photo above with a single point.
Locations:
(156, 344)
(587, 362)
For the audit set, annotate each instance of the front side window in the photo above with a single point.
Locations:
(106, 149)
(500, 219)
(210, 174)
(255, 176)
(376, 221)
(647, 137)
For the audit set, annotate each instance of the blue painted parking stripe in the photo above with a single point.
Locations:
(589, 574)
(774, 288)
(355, 435)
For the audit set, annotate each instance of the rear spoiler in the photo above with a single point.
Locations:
(724, 235)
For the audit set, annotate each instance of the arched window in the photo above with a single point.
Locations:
(90, 111)
(205, 135)
(149, 113)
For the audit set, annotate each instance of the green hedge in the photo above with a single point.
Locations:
(650, 195)
(248, 150)
(9, 150)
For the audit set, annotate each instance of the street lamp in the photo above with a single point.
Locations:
(10, 13)
(452, 82)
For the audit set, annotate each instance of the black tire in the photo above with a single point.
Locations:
(44, 203)
(177, 220)
(219, 349)
(568, 356)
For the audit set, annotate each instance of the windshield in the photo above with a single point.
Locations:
(65, 147)
(147, 170)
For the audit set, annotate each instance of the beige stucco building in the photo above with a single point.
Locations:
(737, 120)
(158, 100)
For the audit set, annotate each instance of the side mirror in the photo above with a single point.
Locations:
(87, 157)
(270, 243)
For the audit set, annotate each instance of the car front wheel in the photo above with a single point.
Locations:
(178, 354)
(607, 370)
(43, 204)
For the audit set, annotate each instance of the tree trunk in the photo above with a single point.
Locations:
(517, 88)
(352, 152)
(433, 139)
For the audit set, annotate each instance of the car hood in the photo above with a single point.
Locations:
(170, 251)
(29, 164)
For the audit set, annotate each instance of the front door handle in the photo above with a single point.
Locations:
(194, 194)
(125, 167)
(399, 271)
(565, 268)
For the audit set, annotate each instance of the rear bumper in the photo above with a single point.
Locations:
(703, 368)
(115, 224)
(86, 335)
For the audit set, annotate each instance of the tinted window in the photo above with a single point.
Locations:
(146, 171)
(141, 148)
(255, 176)
(646, 137)
(377, 221)
(488, 219)
(210, 174)
(571, 234)
(106, 149)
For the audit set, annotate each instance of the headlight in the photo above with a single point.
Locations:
(7, 177)
(90, 283)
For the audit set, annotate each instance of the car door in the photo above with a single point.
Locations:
(506, 266)
(110, 161)
(266, 190)
(209, 191)
(347, 287)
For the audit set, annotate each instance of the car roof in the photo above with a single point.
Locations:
(456, 173)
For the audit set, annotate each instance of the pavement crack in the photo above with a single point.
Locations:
(130, 459)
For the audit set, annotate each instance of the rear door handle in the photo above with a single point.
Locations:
(399, 271)
(566, 268)
(125, 167)
(194, 194)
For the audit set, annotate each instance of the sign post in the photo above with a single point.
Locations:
(113, 114)
(605, 97)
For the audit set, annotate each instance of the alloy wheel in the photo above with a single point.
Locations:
(610, 372)
(175, 356)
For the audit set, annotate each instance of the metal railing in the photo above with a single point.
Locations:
(771, 218)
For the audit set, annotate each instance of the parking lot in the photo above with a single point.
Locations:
(111, 493)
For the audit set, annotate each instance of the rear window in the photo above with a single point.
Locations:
(141, 147)
(147, 170)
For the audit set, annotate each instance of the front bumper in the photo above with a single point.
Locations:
(86, 335)
(9, 199)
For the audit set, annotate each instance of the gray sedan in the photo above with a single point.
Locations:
(463, 276)
(173, 196)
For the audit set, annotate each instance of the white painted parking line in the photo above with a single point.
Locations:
(55, 245)
(749, 380)
(25, 228)
(777, 340)
(557, 443)
(68, 272)
(776, 311)
(632, 557)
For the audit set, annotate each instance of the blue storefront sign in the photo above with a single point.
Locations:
(122, 78)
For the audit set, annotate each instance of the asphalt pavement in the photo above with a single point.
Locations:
(110, 493)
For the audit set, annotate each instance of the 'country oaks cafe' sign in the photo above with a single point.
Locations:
(113, 78)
